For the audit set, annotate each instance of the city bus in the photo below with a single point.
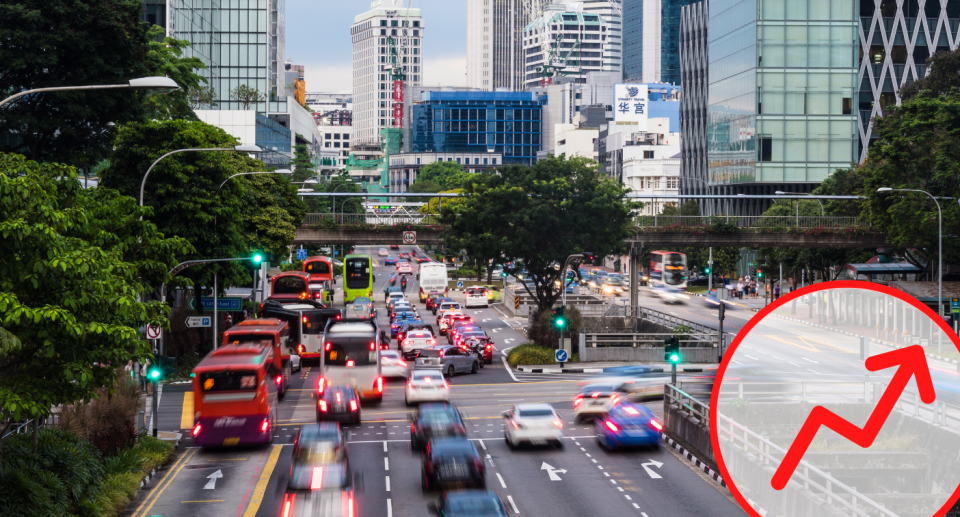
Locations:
(358, 277)
(306, 319)
(320, 272)
(235, 393)
(277, 333)
(290, 285)
(668, 270)
(351, 355)
(432, 277)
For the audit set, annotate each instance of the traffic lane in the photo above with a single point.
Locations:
(658, 482)
(369, 478)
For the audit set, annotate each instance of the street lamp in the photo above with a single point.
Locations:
(939, 245)
(238, 148)
(780, 193)
(348, 181)
(162, 84)
(278, 171)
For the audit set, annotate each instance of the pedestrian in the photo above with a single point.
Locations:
(776, 292)
(128, 368)
(143, 374)
(243, 314)
(228, 320)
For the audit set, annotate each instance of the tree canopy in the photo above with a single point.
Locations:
(448, 175)
(165, 58)
(539, 215)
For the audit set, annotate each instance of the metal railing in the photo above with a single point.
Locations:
(27, 426)
(744, 221)
(377, 219)
(682, 399)
(647, 340)
(669, 320)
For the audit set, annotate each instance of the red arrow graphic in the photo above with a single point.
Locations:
(911, 361)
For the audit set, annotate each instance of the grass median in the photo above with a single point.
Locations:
(532, 353)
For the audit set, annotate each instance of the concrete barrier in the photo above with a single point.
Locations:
(690, 428)
(647, 354)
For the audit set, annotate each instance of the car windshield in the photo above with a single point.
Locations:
(430, 352)
(534, 413)
(484, 505)
(438, 417)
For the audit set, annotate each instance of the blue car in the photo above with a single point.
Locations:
(628, 425)
(389, 261)
(398, 321)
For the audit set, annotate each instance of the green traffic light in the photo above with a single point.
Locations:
(674, 358)
(257, 258)
(560, 322)
(154, 374)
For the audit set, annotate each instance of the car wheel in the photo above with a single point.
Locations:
(601, 443)
(451, 372)
(474, 368)
(358, 419)
(559, 444)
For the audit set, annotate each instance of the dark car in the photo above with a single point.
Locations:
(399, 320)
(394, 247)
(704, 280)
(407, 326)
(432, 298)
(469, 503)
(438, 301)
(435, 419)
(452, 462)
(339, 402)
(459, 326)
(389, 261)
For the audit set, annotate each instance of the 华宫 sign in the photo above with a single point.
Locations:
(631, 103)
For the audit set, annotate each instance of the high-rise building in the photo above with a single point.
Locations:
(494, 43)
(373, 58)
(632, 40)
(612, 12)
(670, 40)
(651, 42)
(694, 20)
(570, 42)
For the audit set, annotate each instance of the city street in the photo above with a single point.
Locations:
(591, 481)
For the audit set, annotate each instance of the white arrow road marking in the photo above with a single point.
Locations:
(652, 474)
(213, 480)
(496, 330)
(552, 472)
(508, 341)
(487, 319)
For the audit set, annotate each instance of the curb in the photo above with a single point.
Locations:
(874, 340)
(559, 370)
(710, 472)
(146, 479)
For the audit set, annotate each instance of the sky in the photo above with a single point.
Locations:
(318, 37)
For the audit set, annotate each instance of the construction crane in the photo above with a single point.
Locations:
(554, 66)
(399, 78)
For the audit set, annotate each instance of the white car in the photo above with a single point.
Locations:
(416, 341)
(426, 386)
(383, 252)
(476, 297)
(294, 363)
(534, 424)
(595, 399)
(392, 365)
(448, 308)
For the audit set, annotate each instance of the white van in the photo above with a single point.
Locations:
(433, 277)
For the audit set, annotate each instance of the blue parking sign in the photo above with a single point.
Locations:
(561, 356)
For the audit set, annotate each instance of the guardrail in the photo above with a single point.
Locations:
(377, 219)
(744, 221)
(25, 427)
(647, 340)
(675, 395)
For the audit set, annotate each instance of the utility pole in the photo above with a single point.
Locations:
(710, 272)
(723, 307)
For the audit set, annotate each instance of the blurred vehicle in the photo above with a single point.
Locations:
(421, 260)
(644, 279)
(402, 305)
(404, 254)
(612, 284)
(452, 462)
(668, 269)
(627, 425)
(449, 318)
(443, 306)
(398, 320)
(321, 291)
(394, 247)
(358, 277)
(392, 279)
(389, 261)
(432, 298)
(338, 402)
(468, 503)
(476, 297)
(710, 300)
(435, 420)
(361, 308)
(595, 399)
(432, 278)
(483, 344)
(466, 333)
(294, 363)
(404, 268)
(415, 341)
(383, 252)
(392, 289)
(459, 323)
(319, 484)
(520, 275)
(290, 285)
(351, 356)
(494, 294)
(395, 297)
(426, 386)
(632, 370)
(410, 326)
(535, 424)
(704, 280)
(590, 280)
(392, 365)
(448, 359)
(671, 294)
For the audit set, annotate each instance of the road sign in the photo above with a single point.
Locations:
(229, 303)
(198, 321)
(153, 332)
(955, 305)
(552, 472)
(561, 356)
(409, 237)
(460, 285)
(301, 254)
(516, 302)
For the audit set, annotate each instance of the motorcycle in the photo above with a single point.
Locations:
(393, 279)
(403, 284)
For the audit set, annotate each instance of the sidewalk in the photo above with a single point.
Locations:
(601, 366)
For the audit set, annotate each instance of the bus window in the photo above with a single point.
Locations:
(289, 285)
(354, 349)
(237, 380)
(317, 268)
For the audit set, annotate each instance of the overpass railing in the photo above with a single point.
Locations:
(377, 219)
(744, 221)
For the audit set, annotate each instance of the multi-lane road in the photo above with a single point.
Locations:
(586, 479)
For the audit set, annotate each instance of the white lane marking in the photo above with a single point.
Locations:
(385, 444)
(795, 364)
(752, 357)
(816, 372)
(775, 357)
(628, 497)
(552, 472)
(507, 366)
(500, 478)
(735, 361)
(389, 508)
(388, 483)
(810, 360)
(483, 445)
(386, 463)
(212, 484)
(512, 504)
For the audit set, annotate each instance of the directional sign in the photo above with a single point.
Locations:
(229, 303)
(409, 237)
(552, 472)
(198, 321)
(301, 254)
(650, 472)
(459, 285)
(561, 356)
(213, 480)
(955, 305)
(153, 332)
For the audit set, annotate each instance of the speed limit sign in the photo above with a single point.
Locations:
(409, 237)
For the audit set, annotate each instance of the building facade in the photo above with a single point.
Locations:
(372, 33)
(646, 162)
(694, 23)
(572, 38)
(405, 167)
(610, 11)
(494, 44)
(632, 39)
(670, 13)
(504, 123)
(335, 142)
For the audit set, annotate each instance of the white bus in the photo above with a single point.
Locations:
(433, 277)
(351, 355)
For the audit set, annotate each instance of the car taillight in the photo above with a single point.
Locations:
(612, 426)
(321, 385)
(326, 347)
(407, 342)
(338, 397)
(558, 423)
(279, 379)
(373, 346)
(353, 405)
(445, 385)
(577, 400)
(196, 429)
(441, 354)
(304, 319)
(432, 342)
(338, 316)
(302, 349)
(378, 385)
(656, 425)
(410, 384)
(265, 426)
(350, 363)
(489, 347)
(515, 424)
(288, 504)
(323, 406)
(350, 507)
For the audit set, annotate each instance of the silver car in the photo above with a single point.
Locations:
(448, 359)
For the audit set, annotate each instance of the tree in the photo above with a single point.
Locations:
(204, 97)
(302, 164)
(944, 69)
(448, 205)
(46, 43)
(448, 175)
(165, 58)
(688, 208)
(272, 211)
(73, 265)
(341, 205)
(246, 96)
(422, 186)
(541, 214)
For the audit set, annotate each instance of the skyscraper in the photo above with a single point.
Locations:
(571, 37)
(632, 40)
(494, 43)
(694, 20)
(670, 40)
(612, 12)
(372, 33)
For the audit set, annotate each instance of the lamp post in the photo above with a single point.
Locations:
(348, 181)
(939, 253)
(163, 84)
(278, 171)
(822, 213)
(238, 148)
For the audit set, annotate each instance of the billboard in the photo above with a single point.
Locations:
(631, 103)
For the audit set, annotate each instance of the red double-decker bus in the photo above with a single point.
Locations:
(277, 333)
(320, 272)
(235, 393)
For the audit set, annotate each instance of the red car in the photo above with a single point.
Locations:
(404, 255)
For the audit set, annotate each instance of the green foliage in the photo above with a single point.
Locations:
(203, 97)
(687, 208)
(540, 215)
(448, 175)
(302, 165)
(47, 43)
(247, 96)
(530, 353)
(154, 451)
(449, 206)
(272, 213)
(107, 420)
(944, 67)
(165, 58)
(73, 264)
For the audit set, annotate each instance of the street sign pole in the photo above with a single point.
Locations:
(155, 402)
(215, 300)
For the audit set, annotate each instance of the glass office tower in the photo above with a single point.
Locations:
(782, 83)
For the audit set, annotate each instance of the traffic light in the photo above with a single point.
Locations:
(256, 259)
(707, 270)
(154, 373)
(589, 257)
(559, 318)
(759, 273)
(504, 274)
(671, 350)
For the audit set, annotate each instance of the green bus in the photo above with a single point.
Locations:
(358, 277)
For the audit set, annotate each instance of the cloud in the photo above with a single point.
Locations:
(445, 71)
(328, 77)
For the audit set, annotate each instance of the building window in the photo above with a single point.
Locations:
(766, 149)
(336, 144)
(494, 161)
(458, 160)
(485, 161)
(336, 136)
(647, 155)
(418, 161)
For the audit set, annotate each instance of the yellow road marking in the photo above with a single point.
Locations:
(154, 496)
(257, 498)
(186, 416)
(207, 501)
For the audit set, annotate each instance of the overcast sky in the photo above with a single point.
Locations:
(318, 37)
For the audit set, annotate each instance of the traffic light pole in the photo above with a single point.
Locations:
(155, 403)
(673, 374)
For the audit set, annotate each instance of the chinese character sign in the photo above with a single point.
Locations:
(631, 103)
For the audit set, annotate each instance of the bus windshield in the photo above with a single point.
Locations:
(289, 285)
(362, 351)
(317, 268)
(243, 339)
(357, 271)
(236, 380)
